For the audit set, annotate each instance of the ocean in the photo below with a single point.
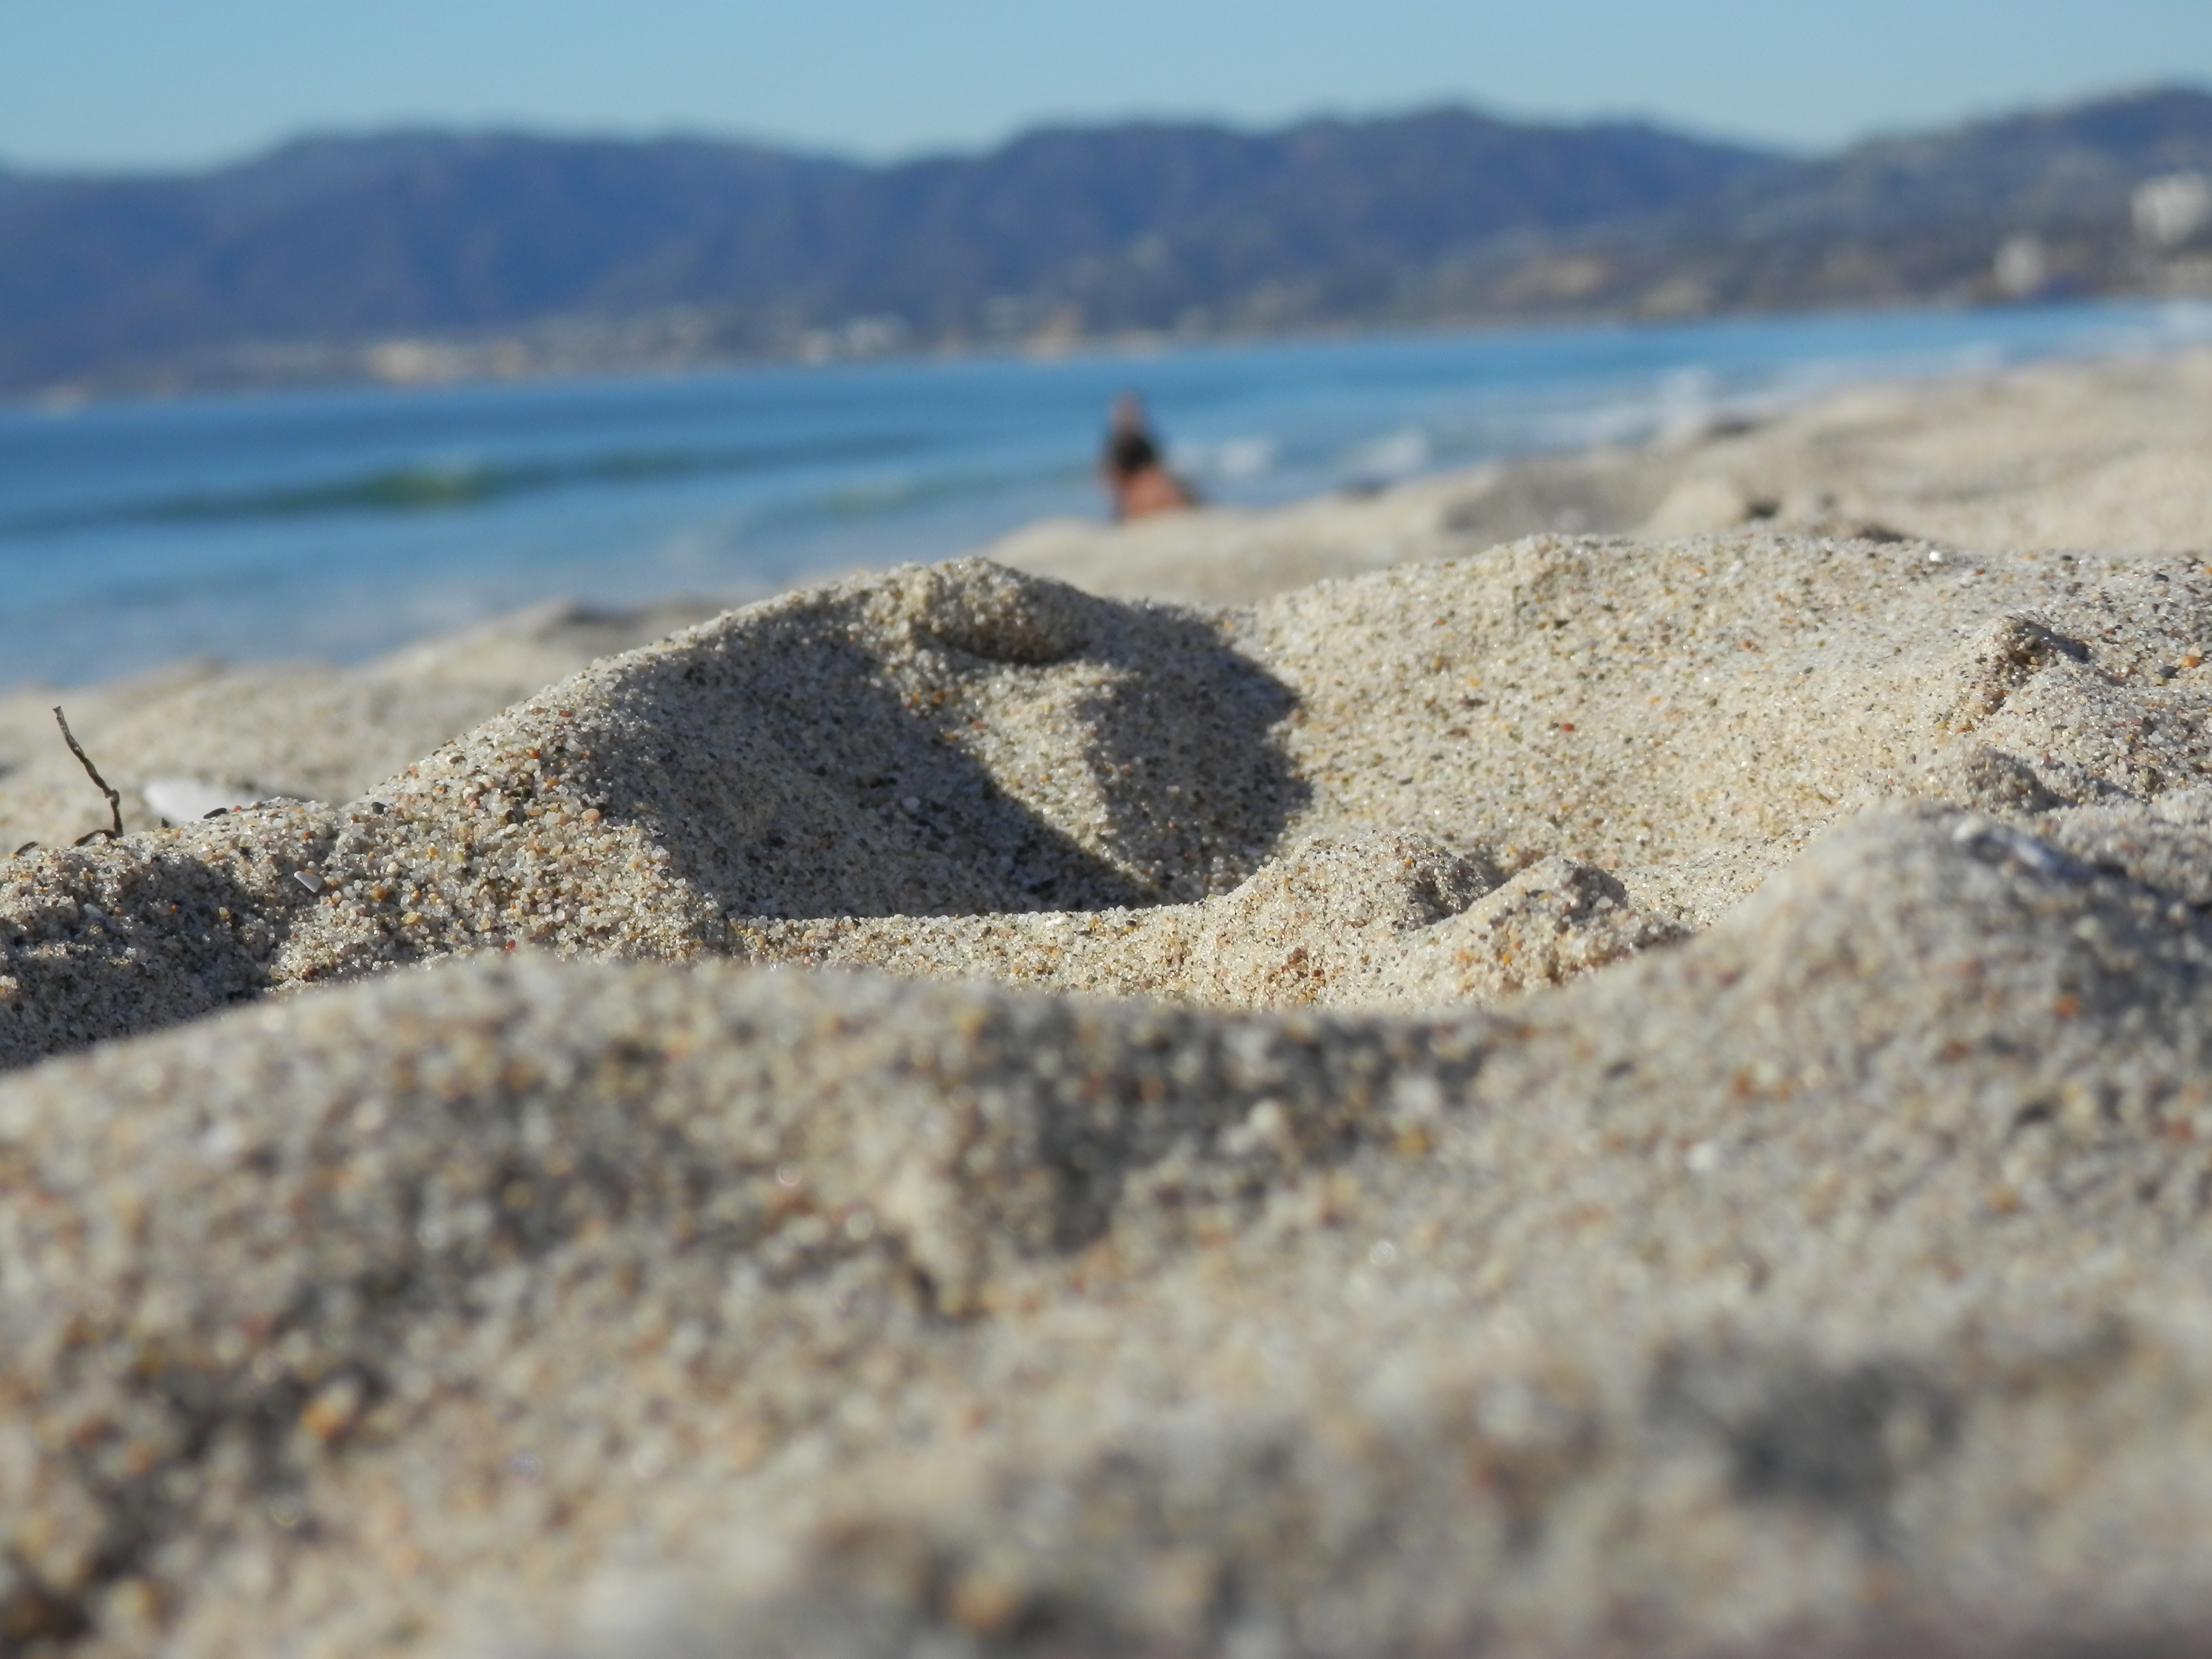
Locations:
(336, 524)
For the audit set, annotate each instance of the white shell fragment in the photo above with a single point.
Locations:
(182, 800)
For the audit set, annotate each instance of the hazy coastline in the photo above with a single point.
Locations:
(425, 257)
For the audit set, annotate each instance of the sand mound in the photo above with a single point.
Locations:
(1835, 1278)
(953, 740)
(954, 748)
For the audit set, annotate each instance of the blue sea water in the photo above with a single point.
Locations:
(338, 523)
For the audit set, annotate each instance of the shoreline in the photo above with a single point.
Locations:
(306, 515)
(70, 398)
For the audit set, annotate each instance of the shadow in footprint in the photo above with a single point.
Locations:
(959, 739)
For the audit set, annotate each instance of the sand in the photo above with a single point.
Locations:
(2114, 455)
(1598, 1094)
(300, 730)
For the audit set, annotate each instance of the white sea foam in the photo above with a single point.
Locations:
(1396, 455)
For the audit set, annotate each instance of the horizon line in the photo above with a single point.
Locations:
(531, 130)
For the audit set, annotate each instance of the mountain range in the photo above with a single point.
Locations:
(430, 254)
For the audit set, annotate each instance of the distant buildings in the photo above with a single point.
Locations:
(2172, 209)
(2170, 216)
(2023, 268)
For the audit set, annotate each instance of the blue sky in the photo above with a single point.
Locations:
(171, 83)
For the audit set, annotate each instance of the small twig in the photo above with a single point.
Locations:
(114, 800)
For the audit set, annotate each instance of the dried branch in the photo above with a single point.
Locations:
(114, 800)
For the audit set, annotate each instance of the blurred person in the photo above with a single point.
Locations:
(1137, 481)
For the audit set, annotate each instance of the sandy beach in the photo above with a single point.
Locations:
(1607, 1055)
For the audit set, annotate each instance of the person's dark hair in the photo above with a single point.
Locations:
(1131, 451)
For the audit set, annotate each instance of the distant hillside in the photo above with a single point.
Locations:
(723, 248)
(2021, 208)
(427, 254)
